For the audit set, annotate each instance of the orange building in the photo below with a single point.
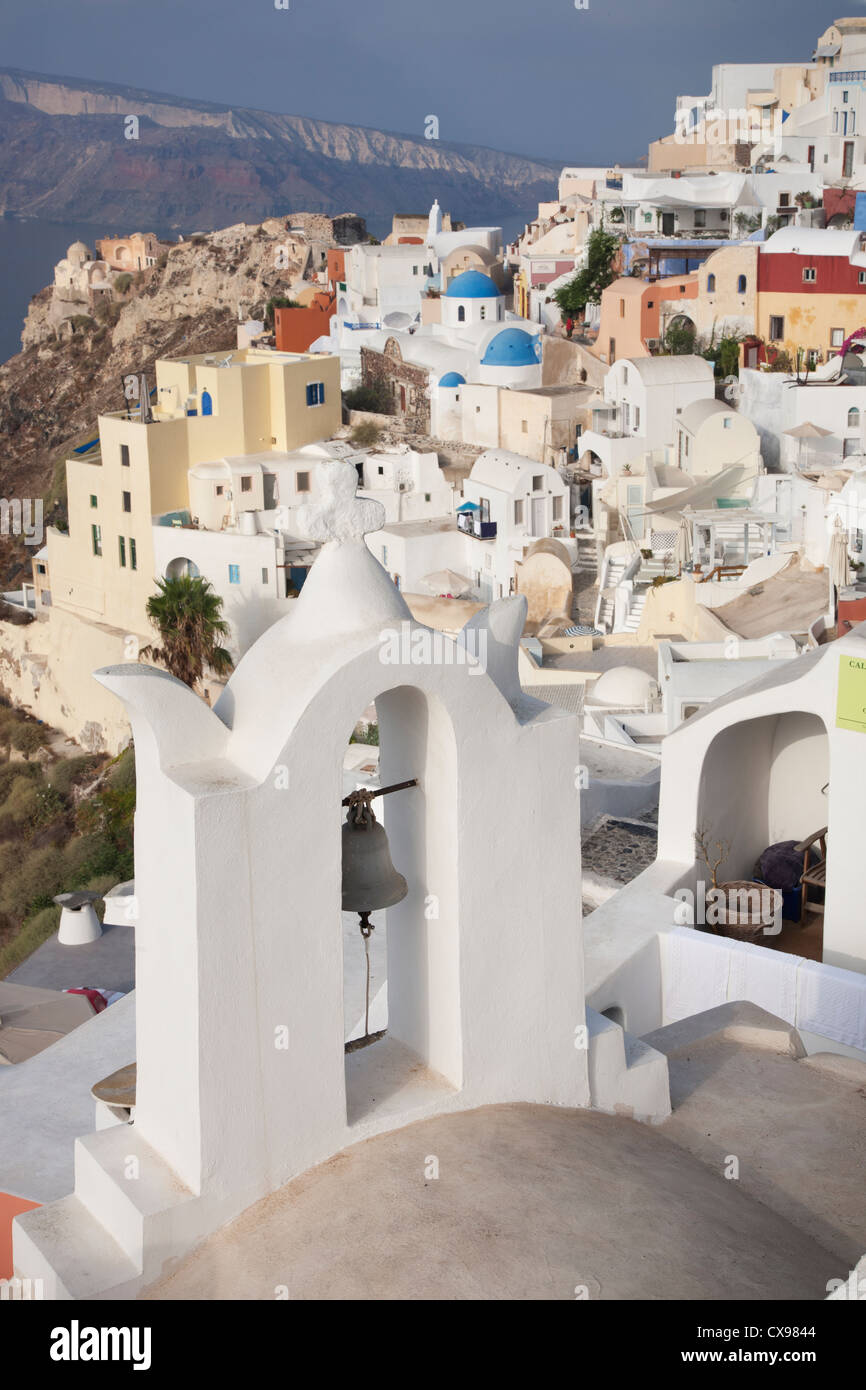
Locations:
(630, 315)
(296, 329)
(336, 267)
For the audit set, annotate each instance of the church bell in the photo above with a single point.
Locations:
(370, 881)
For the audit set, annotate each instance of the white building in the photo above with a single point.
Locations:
(508, 503)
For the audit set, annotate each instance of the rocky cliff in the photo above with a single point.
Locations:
(64, 156)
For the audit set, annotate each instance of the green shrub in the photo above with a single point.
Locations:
(374, 397)
(29, 738)
(33, 933)
(70, 772)
(39, 875)
(22, 800)
(123, 282)
(366, 435)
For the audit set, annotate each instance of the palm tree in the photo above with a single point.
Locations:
(188, 617)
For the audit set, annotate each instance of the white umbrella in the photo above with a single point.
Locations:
(837, 560)
(447, 583)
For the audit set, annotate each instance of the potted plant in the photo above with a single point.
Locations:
(739, 908)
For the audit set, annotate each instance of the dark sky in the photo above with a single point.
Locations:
(532, 76)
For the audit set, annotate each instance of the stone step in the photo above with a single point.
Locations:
(626, 1075)
(125, 1185)
(72, 1254)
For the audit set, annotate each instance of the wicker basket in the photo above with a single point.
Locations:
(744, 918)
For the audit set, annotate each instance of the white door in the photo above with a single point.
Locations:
(538, 527)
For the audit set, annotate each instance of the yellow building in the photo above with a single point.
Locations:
(204, 410)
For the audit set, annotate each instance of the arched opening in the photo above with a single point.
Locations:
(180, 567)
(763, 785)
(461, 313)
(615, 1014)
(414, 945)
(741, 284)
(711, 284)
(853, 418)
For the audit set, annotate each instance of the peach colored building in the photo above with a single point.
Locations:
(630, 317)
(135, 252)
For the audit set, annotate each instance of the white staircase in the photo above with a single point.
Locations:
(121, 1184)
(635, 612)
(626, 1076)
(612, 572)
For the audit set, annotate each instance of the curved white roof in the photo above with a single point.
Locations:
(812, 241)
(694, 415)
(669, 370)
(502, 469)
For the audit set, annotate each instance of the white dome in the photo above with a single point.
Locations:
(78, 253)
(625, 686)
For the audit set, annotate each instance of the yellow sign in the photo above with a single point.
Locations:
(851, 700)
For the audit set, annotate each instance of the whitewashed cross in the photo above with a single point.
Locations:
(338, 514)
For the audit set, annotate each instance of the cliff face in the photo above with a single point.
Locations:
(63, 155)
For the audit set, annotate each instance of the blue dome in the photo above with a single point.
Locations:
(471, 284)
(513, 347)
(452, 379)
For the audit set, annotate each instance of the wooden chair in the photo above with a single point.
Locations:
(813, 873)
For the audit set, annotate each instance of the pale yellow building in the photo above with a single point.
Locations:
(205, 409)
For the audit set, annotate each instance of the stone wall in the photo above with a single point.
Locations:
(406, 384)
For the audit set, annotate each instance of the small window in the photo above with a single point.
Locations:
(93, 500)
(810, 275)
(518, 512)
(246, 483)
(96, 539)
(557, 508)
(220, 488)
(133, 557)
(537, 482)
(316, 393)
(121, 550)
(784, 200)
(727, 422)
(302, 482)
(414, 270)
(861, 277)
(741, 284)
(637, 418)
(380, 470)
(264, 575)
(777, 328)
(711, 284)
(682, 289)
(625, 376)
(127, 501)
(622, 308)
(124, 455)
(426, 496)
(40, 569)
(461, 314)
(385, 556)
(234, 574)
(853, 418)
(837, 337)
(524, 427)
(700, 217)
(650, 303)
